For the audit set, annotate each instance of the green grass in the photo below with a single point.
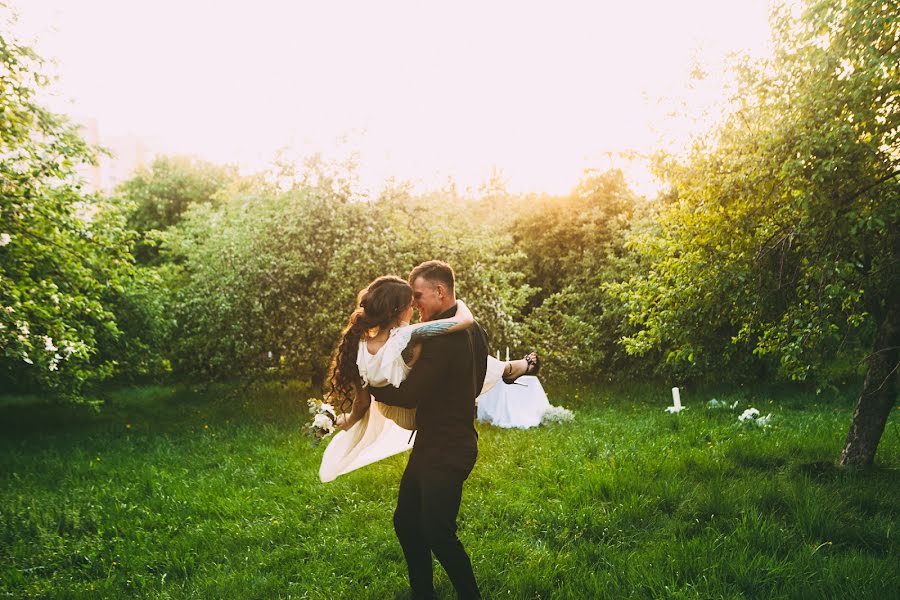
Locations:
(213, 493)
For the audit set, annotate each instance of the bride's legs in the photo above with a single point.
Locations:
(527, 365)
(497, 370)
(515, 368)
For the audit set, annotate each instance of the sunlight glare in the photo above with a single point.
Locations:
(425, 91)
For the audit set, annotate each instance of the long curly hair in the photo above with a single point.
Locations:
(378, 305)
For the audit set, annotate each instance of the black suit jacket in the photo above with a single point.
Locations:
(442, 386)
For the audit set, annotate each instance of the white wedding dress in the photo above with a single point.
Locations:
(521, 405)
(375, 436)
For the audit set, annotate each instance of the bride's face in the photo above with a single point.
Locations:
(406, 315)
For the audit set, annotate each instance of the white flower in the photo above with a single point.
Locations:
(48, 344)
(5, 238)
(750, 413)
(52, 366)
(764, 421)
(322, 421)
(328, 408)
(23, 327)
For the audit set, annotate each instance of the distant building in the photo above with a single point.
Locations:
(129, 153)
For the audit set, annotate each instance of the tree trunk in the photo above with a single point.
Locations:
(879, 393)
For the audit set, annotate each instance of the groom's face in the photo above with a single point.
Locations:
(427, 298)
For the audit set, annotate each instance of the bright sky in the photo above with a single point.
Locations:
(421, 90)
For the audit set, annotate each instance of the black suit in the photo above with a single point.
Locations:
(442, 386)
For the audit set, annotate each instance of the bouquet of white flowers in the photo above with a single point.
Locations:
(323, 422)
(751, 416)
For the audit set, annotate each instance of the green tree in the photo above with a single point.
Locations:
(782, 236)
(473, 235)
(157, 197)
(264, 282)
(572, 239)
(152, 201)
(574, 247)
(63, 254)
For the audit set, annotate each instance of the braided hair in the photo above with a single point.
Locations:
(378, 305)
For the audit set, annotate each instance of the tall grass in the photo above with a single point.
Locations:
(213, 493)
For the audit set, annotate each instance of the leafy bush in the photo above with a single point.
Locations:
(63, 253)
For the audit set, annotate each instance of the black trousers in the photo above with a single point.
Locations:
(425, 521)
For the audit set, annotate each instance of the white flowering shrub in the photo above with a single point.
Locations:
(64, 254)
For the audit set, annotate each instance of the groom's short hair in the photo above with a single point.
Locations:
(435, 271)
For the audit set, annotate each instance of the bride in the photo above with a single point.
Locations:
(379, 347)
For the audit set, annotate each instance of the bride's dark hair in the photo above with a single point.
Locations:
(378, 305)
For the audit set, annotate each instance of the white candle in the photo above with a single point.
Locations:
(507, 354)
(676, 398)
(498, 354)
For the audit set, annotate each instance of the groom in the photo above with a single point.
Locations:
(442, 385)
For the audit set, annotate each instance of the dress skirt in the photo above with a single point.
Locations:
(382, 432)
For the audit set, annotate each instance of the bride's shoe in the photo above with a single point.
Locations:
(534, 365)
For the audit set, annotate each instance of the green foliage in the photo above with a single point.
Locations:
(157, 197)
(272, 273)
(574, 248)
(472, 235)
(777, 247)
(142, 310)
(62, 254)
(577, 331)
(174, 493)
(265, 281)
(782, 235)
(571, 240)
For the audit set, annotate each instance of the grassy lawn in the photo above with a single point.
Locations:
(173, 492)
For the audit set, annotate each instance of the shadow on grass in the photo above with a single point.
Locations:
(752, 457)
(819, 470)
(658, 392)
(156, 408)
